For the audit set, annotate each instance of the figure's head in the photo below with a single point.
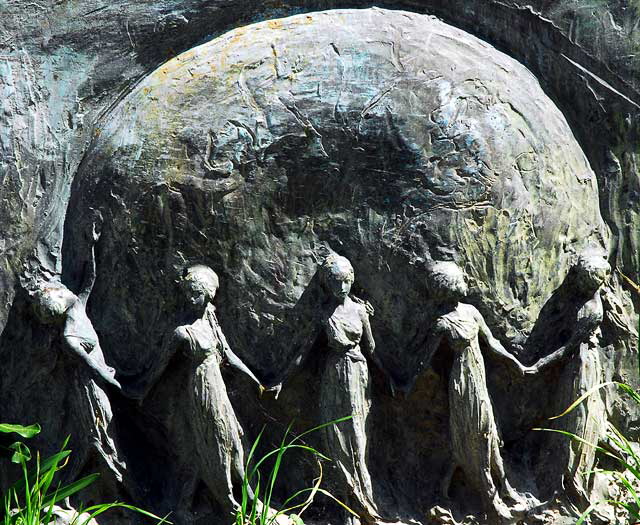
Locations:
(52, 300)
(591, 272)
(446, 280)
(200, 284)
(337, 275)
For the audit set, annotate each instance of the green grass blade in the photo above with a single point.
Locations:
(49, 463)
(578, 438)
(21, 453)
(273, 475)
(587, 512)
(96, 510)
(323, 425)
(262, 516)
(625, 482)
(71, 489)
(250, 456)
(312, 494)
(27, 431)
(629, 508)
(254, 504)
(287, 447)
(584, 396)
(343, 505)
(630, 391)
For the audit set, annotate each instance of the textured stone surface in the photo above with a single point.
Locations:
(414, 139)
(388, 137)
(65, 62)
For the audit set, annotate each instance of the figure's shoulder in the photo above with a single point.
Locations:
(468, 311)
(441, 324)
(180, 334)
(466, 307)
(364, 308)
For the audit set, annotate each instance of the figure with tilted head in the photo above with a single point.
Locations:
(217, 434)
(90, 423)
(580, 311)
(345, 382)
(475, 439)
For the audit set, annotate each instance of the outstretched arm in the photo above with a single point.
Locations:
(561, 354)
(304, 340)
(589, 318)
(433, 343)
(307, 340)
(150, 376)
(294, 365)
(496, 346)
(234, 360)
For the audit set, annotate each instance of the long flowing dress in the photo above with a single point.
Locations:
(91, 422)
(474, 434)
(345, 391)
(569, 463)
(91, 428)
(218, 435)
(587, 420)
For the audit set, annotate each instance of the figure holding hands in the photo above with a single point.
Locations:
(217, 433)
(578, 360)
(345, 382)
(475, 439)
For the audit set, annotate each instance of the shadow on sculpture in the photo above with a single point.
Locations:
(345, 381)
(571, 321)
(216, 432)
(82, 408)
(475, 438)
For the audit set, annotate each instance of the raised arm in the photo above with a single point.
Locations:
(89, 277)
(494, 345)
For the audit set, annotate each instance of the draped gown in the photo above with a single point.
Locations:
(474, 433)
(345, 390)
(217, 432)
(87, 404)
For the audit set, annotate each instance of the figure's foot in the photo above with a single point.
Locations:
(368, 514)
(441, 515)
(501, 510)
(274, 517)
(70, 516)
(512, 494)
(516, 502)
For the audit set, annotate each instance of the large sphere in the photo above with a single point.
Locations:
(390, 137)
